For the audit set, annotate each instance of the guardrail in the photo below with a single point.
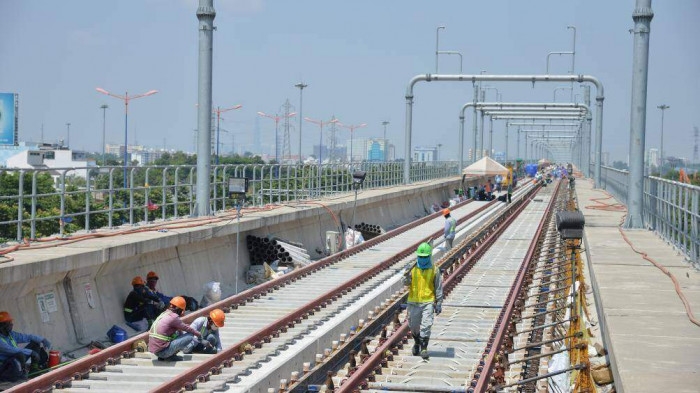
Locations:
(42, 202)
(670, 208)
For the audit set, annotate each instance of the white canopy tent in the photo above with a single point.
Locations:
(485, 167)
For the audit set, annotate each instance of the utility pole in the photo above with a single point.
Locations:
(301, 87)
(286, 142)
(104, 117)
(333, 142)
(68, 138)
(663, 108)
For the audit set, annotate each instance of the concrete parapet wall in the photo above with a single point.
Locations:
(82, 286)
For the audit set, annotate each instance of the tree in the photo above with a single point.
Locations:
(620, 165)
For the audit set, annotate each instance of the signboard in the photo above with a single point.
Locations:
(8, 119)
(237, 185)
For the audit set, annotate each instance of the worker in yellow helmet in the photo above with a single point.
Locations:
(208, 327)
(424, 282)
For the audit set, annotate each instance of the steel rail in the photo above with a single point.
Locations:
(365, 370)
(202, 371)
(81, 368)
(500, 330)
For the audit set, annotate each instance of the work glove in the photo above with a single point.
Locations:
(46, 343)
(438, 308)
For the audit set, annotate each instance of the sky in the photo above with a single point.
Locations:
(357, 58)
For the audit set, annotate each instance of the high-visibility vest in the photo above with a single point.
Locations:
(453, 225)
(154, 331)
(422, 285)
(9, 341)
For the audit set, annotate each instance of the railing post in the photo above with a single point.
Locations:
(111, 198)
(63, 202)
(87, 200)
(163, 191)
(32, 233)
(146, 196)
(213, 185)
(20, 206)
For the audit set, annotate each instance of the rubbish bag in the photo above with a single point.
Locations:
(212, 293)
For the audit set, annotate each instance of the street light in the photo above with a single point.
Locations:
(573, 58)
(320, 123)
(218, 112)
(301, 87)
(452, 52)
(385, 123)
(104, 117)
(126, 100)
(663, 108)
(277, 119)
(437, 46)
(352, 129)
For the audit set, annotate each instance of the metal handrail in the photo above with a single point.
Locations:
(89, 198)
(670, 208)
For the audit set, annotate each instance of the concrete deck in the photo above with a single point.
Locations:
(652, 345)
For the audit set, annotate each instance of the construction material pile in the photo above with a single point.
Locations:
(263, 249)
(369, 231)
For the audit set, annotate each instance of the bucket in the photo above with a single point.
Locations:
(54, 358)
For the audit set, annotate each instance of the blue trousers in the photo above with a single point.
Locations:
(176, 346)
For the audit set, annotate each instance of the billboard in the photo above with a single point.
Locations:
(8, 119)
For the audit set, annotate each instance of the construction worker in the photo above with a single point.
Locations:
(14, 360)
(141, 306)
(163, 338)
(424, 282)
(450, 228)
(208, 327)
(151, 281)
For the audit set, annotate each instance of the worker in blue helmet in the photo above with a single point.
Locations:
(424, 282)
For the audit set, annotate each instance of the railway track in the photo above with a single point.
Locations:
(271, 329)
(483, 279)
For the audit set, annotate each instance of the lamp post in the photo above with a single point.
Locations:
(68, 137)
(352, 129)
(437, 45)
(301, 87)
(277, 119)
(385, 123)
(320, 123)
(663, 108)
(452, 52)
(573, 59)
(126, 98)
(104, 117)
(218, 112)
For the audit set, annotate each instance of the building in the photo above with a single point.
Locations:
(605, 158)
(55, 158)
(425, 154)
(371, 149)
(652, 157)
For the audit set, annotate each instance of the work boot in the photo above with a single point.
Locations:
(416, 345)
(424, 348)
(173, 358)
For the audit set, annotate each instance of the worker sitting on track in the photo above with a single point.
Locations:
(208, 327)
(163, 338)
(141, 306)
(424, 282)
(450, 228)
(15, 359)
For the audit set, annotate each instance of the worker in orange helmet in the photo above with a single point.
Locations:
(140, 306)
(208, 327)
(164, 338)
(16, 361)
(450, 228)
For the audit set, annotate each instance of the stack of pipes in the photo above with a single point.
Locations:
(369, 231)
(264, 249)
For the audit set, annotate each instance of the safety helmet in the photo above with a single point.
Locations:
(445, 211)
(179, 302)
(218, 317)
(424, 250)
(5, 317)
(151, 276)
(137, 281)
